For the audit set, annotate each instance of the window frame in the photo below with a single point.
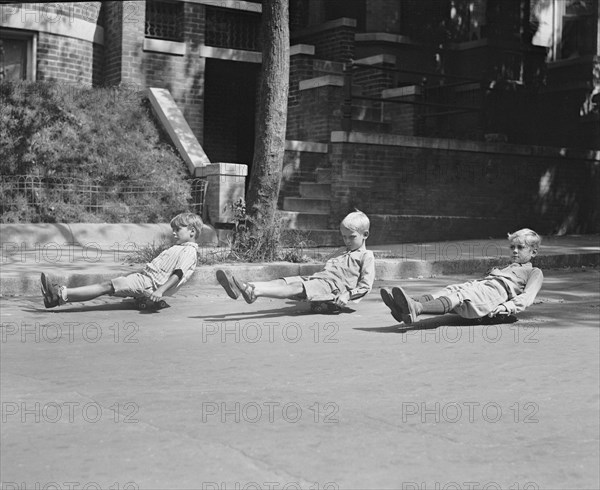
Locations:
(31, 49)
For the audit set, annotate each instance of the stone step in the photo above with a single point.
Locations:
(294, 220)
(314, 206)
(313, 190)
(323, 175)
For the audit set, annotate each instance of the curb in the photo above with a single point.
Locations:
(385, 270)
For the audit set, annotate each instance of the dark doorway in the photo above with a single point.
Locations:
(229, 110)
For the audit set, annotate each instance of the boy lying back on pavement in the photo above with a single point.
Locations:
(163, 276)
(501, 292)
(347, 276)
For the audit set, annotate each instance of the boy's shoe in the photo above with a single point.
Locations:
(229, 286)
(246, 289)
(50, 292)
(409, 307)
(389, 302)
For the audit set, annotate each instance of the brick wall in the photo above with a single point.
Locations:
(335, 43)
(124, 36)
(183, 76)
(316, 115)
(61, 57)
(510, 186)
(66, 59)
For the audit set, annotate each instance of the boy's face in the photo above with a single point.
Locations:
(183, 234)
(353, 239)
(521, 252)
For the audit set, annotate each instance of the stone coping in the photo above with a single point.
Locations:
(562, 154)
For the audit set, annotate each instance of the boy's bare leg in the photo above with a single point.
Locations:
(85, 293)
(277, 288)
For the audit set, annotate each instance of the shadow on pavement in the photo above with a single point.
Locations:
(116, 306)
(295, 308)
(442, 321)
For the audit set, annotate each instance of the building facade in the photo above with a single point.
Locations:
(427, 101)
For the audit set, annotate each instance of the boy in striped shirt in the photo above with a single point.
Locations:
(163, 276)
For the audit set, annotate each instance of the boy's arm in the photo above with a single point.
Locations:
(525, 299)
(366, 277)
(186, 264)
(171, 282)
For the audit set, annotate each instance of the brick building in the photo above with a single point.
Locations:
(439, 118)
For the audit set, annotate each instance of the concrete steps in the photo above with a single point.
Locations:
(310, 211)
(307, 205)
(315, 190)
(295, 220)
(323, 175)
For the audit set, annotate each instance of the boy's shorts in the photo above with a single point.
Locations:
(480, 297)
(316, 288)
(135, 284)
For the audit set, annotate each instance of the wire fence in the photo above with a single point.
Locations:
(38, 198)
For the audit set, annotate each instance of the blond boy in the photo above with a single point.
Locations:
(347, 276)
(501, 292)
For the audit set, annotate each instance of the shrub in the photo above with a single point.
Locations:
(94, 136)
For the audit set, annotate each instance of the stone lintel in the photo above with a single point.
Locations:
(308, 49)
(326, 80)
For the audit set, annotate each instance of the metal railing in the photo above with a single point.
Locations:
(444, 105)
(39, 196)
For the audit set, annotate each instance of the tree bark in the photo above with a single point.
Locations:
(269, 143)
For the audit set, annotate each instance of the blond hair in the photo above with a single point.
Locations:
(528, 236)
(356, 221)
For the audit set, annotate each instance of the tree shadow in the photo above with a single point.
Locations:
(449, 320)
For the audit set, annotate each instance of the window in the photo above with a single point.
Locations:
(232, 29)
(568, 28)
(164, 20)
(17, 55)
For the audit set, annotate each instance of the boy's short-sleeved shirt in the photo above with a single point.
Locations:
(352, 271)
(181, 257)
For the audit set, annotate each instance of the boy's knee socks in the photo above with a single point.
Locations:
(440, 305)
(424, 298)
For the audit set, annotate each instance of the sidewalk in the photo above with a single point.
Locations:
(76, 265)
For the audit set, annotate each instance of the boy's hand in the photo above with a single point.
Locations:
(499, 310)
(342, 298)
(156, 296)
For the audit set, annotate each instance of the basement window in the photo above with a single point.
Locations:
(17, 55)
(164, 20)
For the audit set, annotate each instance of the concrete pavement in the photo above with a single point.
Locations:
(218, 394)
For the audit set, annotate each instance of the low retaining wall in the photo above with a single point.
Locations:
(420, 189)
(104, 236)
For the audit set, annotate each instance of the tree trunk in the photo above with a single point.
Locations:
(271, 117)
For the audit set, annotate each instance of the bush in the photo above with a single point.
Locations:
(95, 136)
